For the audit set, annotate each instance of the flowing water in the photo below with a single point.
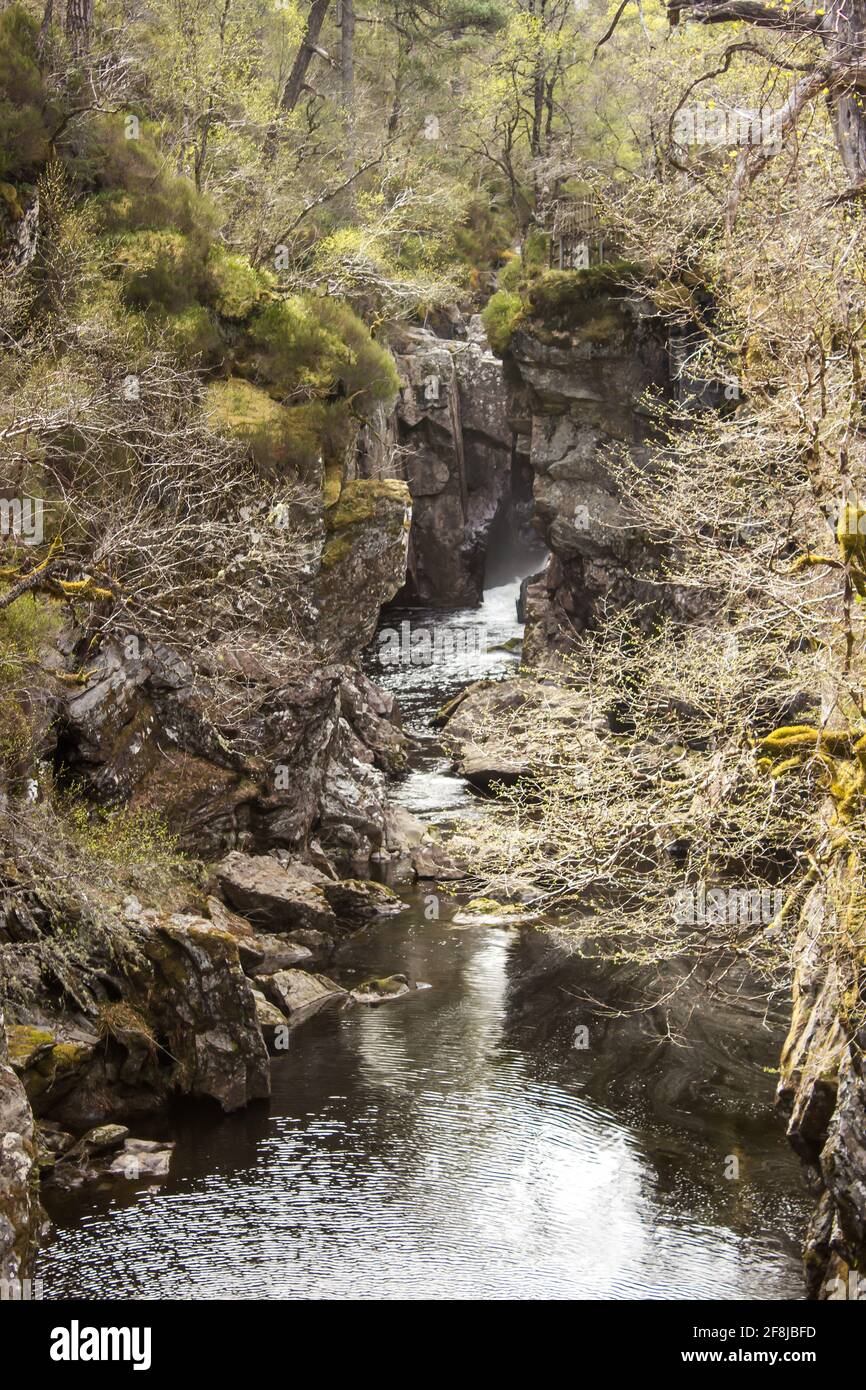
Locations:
(455, 1143)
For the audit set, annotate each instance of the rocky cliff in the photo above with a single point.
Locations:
(580, 362)
(450, 439)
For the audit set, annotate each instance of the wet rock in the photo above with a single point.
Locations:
(52, 1143)
(298, 994)
(99, 1140)
(375, 718)
(20, 1216)
(270, 1019)
(382, 990)
(276, 953)
(319, 943)
(142, 1158)
(431, 860)
(472, 734)
(362, 899)
(487, 912)
(271, 896)
(50, 1063)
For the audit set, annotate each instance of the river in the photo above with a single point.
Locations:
(455, 1144)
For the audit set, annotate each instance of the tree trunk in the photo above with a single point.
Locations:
(848, 47)
(303, 57)
(347, 67)
(79, 17)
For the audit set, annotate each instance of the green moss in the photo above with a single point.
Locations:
(280, 438)
(26, 1043)
(500, 316)
(489, 906)
(360, 501)
(571, 294)
(336, 551)
(9, 197)
(333, 483)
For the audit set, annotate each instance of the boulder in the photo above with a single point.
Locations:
(270, 1019)
(319, 943)
(201, 1003)
(298, 994)
(271, 896)
(382, 990)
(277, 953)
(142, 1158)
(361, 898)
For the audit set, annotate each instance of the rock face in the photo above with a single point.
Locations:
(186, 1023)
(579, 367)
(822, 1092)
(270, 896)
(363, 562)
(451, 440)
(19, 1205)
(309, 750)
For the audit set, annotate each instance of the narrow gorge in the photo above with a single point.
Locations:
(431, 720)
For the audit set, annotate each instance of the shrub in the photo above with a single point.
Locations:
(25, 115)
(280, 438)
(501, 315)
(163, 270)
(320, 346)
(194, 333)
(568, 293)
(133, 190)
(235, 287)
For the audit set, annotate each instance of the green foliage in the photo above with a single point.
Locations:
(121, 837)
(26, 117)
(484, 238)
(368, 373)
(567, 294)
(235, 286)
(280, 438)
(26, 626)
(317, 346)
(501, 315)
(194, 334)
(163, 270)
(133, 188)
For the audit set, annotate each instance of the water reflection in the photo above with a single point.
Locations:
(432, 1148)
